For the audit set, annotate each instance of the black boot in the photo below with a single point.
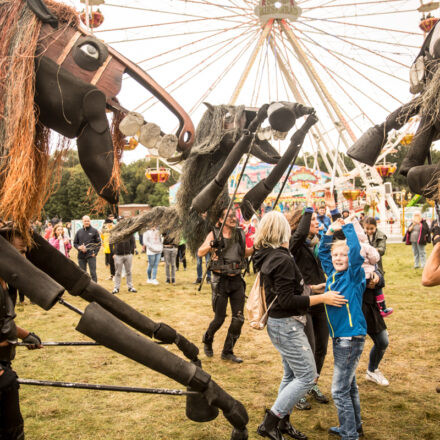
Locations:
(286, 427)
(207, 345)
(231, 357)
(234, 332)
(269, 427)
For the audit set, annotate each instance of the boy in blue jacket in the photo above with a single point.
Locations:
(342, 263)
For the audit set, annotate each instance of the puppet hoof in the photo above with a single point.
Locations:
(368, 147)
(424, 180)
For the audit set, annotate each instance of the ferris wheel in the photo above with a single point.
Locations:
(347, 59)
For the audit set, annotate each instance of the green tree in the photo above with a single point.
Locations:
(56, 206)
(71, 200)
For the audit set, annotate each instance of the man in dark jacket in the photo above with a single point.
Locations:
(11, 420)
(123, 256)
(87, 242)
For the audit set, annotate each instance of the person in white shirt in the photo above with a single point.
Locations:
(153, 245)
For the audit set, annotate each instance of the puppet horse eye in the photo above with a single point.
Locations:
(90, 50)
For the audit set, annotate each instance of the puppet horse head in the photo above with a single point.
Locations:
(54, 75)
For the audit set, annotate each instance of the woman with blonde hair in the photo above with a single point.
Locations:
(290, 299)
(59, 240)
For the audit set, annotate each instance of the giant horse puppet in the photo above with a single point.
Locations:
(224, 135)
(425, 82)
(56, 76)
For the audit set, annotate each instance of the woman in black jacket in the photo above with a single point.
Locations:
(290, 299)
(305, 228)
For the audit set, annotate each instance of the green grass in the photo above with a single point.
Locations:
(408, 409)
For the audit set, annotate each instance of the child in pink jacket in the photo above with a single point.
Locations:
(372, 257)
(59, 240)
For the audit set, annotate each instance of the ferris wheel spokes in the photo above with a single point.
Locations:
(263, 36)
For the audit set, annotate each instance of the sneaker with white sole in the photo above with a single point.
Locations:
(149, 281)
(318, 395)
(155, 282)
(303, 404)
(377, 377)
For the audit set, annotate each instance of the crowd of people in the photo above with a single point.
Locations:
(323, 276)
(118, 257)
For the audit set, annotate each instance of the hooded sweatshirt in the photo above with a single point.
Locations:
(282, 279)
(368, 252)
(348, 320)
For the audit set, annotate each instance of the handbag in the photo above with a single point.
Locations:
(256, 307)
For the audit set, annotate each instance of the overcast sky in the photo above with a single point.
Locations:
(199, 49)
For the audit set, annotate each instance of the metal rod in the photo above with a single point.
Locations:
(98, 387)
(88, 17)
(62, 344)
(317, 136)
(267, 28)
(231, 203)
(70, 306)
(220, 232)
(74, 344)
(285, 181)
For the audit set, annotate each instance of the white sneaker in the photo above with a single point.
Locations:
(377, 377)
(149, 281)
(155, 282)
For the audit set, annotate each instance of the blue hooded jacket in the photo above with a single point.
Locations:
(347, 320)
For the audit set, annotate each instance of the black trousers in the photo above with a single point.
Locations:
(181, 255)
(317, 333)
(11, 421)
(233, 289)
(110, 261)
(91, 261)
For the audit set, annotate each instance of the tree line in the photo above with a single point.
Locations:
(73, 198)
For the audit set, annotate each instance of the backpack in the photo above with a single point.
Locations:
(256, 307)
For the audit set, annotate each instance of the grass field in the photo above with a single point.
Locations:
(408, 409)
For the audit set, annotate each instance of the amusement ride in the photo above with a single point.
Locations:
(349, 60)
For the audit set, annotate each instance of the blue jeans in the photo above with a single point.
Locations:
(200, 267)
(378, 350)
(346, 353)
(153, 264)
(419, 254)
(288, 337)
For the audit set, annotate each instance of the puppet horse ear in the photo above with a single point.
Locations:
(39, 8)
(209, 106)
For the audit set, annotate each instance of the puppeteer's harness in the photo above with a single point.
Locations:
(230, 258)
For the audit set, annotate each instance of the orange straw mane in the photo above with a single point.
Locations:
(25, 164)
